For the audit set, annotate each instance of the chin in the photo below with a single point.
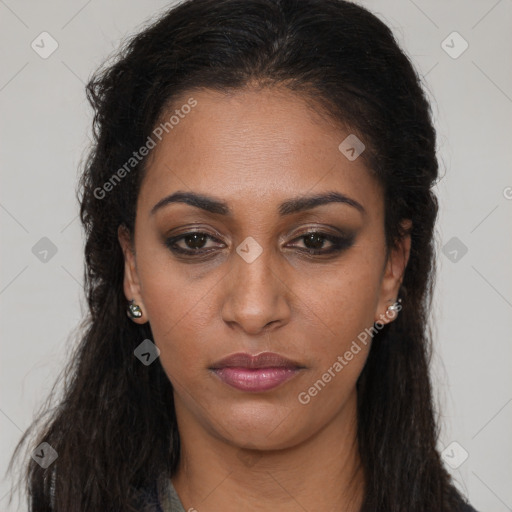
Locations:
(259, 429)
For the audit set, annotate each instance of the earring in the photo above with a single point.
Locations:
(395, 307)
(133, 310)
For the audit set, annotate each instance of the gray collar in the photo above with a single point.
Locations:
(168, 497)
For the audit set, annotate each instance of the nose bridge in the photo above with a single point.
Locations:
(256, 296)
(253, 265)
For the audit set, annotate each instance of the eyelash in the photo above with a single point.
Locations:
(338, 244)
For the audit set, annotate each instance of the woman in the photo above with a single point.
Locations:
(259, 264)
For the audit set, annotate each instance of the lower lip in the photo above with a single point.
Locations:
(258, 379)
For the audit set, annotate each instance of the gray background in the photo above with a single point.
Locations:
(45, 130)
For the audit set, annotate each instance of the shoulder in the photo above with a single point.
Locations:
(160, 497)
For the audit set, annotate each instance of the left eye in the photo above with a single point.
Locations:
(314, 241)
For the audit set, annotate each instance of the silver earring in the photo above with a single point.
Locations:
(395, 307)
(133, 310)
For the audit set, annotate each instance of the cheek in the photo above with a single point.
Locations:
(178, 311)
(335, 342)
(341, 302)
(340, 311)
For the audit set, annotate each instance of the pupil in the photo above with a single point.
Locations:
(314, 237)
(196, 238)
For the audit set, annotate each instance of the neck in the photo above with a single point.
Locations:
(322, 472)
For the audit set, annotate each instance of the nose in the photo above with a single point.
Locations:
(257, 295)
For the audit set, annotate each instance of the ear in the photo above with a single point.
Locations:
(131, 284)
(398, 257)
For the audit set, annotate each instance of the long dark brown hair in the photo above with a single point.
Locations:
(114, 427)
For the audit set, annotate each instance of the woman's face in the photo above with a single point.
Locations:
(246, 283)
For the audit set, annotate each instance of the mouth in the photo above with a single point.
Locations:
(255, 373)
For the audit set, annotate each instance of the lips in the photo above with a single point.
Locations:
(255, 373)
(263, 360)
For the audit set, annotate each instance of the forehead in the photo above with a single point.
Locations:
(253, 148)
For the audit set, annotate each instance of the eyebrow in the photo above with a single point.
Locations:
(291, 206)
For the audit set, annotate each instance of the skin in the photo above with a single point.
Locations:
(255, 149)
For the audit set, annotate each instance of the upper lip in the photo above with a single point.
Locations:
(262, 360)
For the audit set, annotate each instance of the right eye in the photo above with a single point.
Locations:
(192, 243)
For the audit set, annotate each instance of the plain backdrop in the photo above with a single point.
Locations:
(45, 132)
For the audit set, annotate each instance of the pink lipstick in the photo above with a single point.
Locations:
(255, 373)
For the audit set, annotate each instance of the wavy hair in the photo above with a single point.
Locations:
(114, 428)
